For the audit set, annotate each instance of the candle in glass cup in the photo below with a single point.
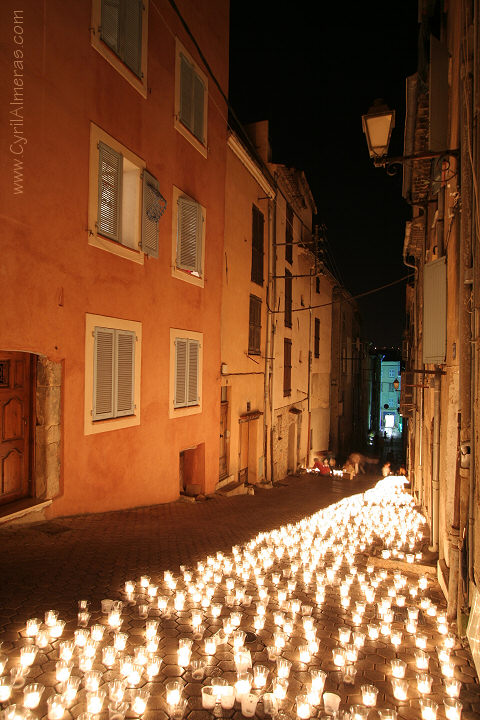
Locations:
(116, 690)
(63, 670)
(304, 708)
(453, 708)
(339, 656)
(42, 638)
(139, 702)
(452, 687)
(369, 695)
(33, 626)
(428, 709)
(398, 668)
(400, 688)
(55, 707)
(69, 689)
(260, 674)
(32, 695)
(424, 683)
(173, 692)
(108, 655)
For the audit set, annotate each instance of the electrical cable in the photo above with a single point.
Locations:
(352, 297)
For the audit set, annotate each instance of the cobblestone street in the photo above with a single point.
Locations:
(315, 598)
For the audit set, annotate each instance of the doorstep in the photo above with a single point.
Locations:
(17, 511)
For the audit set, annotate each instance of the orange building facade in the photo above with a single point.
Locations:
(112, 250)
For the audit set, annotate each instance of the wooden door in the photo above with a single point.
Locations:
(223, 464)
(15, 425)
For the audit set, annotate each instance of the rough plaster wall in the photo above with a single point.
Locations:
(280, 441)
(48, 428)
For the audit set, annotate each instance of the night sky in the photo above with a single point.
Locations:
(312, 70)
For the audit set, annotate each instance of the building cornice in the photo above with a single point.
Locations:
(249, 163)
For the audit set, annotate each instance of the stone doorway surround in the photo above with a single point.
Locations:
(46, 467)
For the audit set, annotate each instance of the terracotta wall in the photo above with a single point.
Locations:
(52, 277)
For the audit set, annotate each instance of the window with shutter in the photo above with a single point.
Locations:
(289, 234)
(257, 246)
(288, 299)
(287, 367)
(110, 171)
(103, 373)
(255, 325)
(191, 100)
(189, 235)
(317, 338)
(125, 372)
(121, 30)
(186, 372)
(113, 373)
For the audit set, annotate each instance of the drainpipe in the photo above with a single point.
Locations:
(268, 346)
(309, 386)
(435, 462)
(272, 210)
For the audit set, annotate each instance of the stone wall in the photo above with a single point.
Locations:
(48, 440)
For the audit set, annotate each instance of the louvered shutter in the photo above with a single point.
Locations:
(198, 108)
(150, 214)
(180, 372)
(103, 373)
(189, 233)
(186, 93)
(192, 381)
(110, 24)
(131, 35)
(125, 373)
(109, 192)
(257, 246)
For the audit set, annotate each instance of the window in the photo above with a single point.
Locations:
(119, 33)
(317, 338)
(112, 373)
(317, 285)
(288, 298)
(255, 325)
(188, 242)
(125, 203)
(391, 372)
(185, 372)
(289, 234)
(287, 367)
(191, 97)
(257, 246)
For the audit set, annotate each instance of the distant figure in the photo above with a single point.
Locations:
(349, 468)
(332, 462)
(359, 462)
(322, 467)
(402, 470)
(386, 469)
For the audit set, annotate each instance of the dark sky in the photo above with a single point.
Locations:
(312, 70)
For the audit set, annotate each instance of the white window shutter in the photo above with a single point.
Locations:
(131, 35)
(193, 356)
(103, 373)
(180, 399)
(198, 108)
(189, 235)
(110, 23)
(125, 372)
(150, 214)
(186, 93)
(109, 192)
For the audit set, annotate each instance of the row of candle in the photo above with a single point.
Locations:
(333, 536)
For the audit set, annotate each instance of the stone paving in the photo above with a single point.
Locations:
(54, 565)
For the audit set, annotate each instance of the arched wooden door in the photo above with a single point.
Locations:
(15, 425)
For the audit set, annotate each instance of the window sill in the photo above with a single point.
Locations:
(188, 277)
(188, 135)
(115, 248)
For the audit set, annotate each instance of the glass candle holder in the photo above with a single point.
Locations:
(400, 688)
(452, 687)
(339, 657)
(349, 674)
(92, 680)
(453, 708)
(139, 701)
(369, 695)
(398, 668)
(5, 689)
(69, 689)
(344, 634)
(116, 690)
(174, 692)
(428, 709)
(33, 626)
(283, 668)
(260, 674)
(304, 708)
(280, 687)
(421, 659)
(373, 631)
(32, 695)
(358, 712)
(424, 683)
(55, 707)
(331, 703)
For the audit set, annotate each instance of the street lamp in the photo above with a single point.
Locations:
(377, 125)
(396, 383)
